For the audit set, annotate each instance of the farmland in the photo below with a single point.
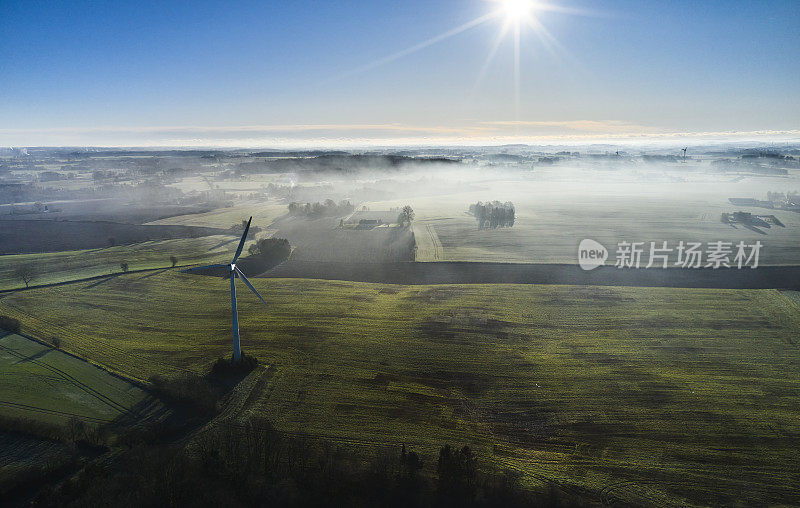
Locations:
(263, 214)
(323, 240)
(646, 395)
(664, 395)
(36, 236)
(58, 267)
(550, 233)
(553, 216)
(39, 381)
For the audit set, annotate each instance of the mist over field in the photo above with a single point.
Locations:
(435, 318)
(560, 196)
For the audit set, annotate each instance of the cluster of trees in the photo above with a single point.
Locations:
(271, 250)
(316, 210)
(238, 227)
(493, 214)
(791, 196)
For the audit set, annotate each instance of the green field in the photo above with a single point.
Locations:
(647, 395)
(39, 382)
(55, 267)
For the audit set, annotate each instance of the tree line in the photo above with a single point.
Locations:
(316, 210)
(493, 214)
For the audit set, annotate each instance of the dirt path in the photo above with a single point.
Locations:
(429, 248)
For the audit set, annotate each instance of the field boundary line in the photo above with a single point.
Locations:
(93, 277)
(36, 409)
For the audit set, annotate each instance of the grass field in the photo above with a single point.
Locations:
(45, 384)
(644, 395)
(263, 214)
(58, 267)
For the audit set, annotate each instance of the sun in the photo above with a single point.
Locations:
(517, 10)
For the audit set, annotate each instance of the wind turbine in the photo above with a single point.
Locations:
(233, 273)
(684, 153)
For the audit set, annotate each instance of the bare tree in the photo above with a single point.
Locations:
(26, 273)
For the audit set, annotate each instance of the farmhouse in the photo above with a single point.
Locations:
(368, 223)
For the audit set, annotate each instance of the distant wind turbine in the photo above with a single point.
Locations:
(684, 153)
(234, 272)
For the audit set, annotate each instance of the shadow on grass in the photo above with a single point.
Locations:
(34, 357)
(101, 281)
(155, 272)
(224, 243)
(203, 395)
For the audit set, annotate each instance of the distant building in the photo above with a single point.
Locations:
(368, 223)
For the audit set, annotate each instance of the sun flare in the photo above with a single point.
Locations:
(517, 10)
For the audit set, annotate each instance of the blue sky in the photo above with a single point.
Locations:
(271, 73)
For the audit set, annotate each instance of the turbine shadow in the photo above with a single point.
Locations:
(753, 228)
(101, 281)
(223, 243)
(33, 357)
(155, 272)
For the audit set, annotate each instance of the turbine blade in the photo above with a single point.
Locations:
(247, 282)
(241, 242)
(206, 267)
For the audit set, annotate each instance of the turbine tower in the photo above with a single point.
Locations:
(233, 273)
(684, 153)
